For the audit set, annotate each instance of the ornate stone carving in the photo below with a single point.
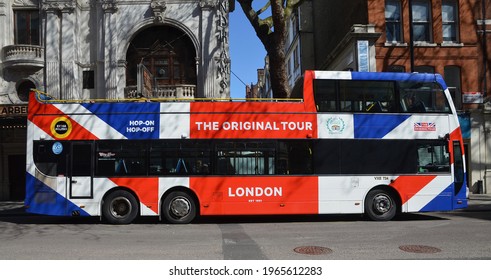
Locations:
(158, 8)
(66, 6)
(109, 6)
(26, 3)
(223, 60)
(208, 4)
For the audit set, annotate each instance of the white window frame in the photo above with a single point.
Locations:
(420, 21)
(394, 22)
(452, 24)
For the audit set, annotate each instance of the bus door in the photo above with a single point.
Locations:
(81, 166)
(460, 187)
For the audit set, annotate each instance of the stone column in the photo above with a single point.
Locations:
(52, 49)
(110, 38)
(70, 84)
(4, 23)
(222, 58)
(215, 48)
(207, 48)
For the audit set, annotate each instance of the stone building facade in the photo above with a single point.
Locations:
(105, 49)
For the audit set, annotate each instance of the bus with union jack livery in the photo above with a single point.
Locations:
(368, 143)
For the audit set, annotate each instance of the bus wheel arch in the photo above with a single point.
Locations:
(120, 206)
(179, 205)
(382, 203)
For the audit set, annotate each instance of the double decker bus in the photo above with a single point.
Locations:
(377, 144)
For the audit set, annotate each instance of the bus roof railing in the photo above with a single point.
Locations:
(47, 98)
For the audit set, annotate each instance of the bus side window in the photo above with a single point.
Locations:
(294, 157)
(46, 161)
(433, 157)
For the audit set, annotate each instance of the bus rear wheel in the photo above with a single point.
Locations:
(120, 207)
(380, 205)
(179, 208)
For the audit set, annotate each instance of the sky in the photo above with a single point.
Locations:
(246, 53)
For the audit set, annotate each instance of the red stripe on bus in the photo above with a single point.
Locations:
(408, 186)
(256, 195)
(146, 189)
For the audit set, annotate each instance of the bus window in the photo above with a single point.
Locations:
(196, 156)
(180, 157)
(433, 157)
(421, 97)
(122, 158)
(325, 95)
(245, 158)
(367, 96)
(50, 157)
(294, 157)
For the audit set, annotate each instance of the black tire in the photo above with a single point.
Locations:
(179, 207)
(120, 207)
(380, 205)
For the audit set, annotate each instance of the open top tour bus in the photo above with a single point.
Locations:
(372, 143)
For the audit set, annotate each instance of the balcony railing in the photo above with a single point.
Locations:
(23, 55)
(164, 92)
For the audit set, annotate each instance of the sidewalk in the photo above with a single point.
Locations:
(479, 202)
(12, 208)
(476, 202)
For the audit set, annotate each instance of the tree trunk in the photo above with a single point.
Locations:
(273, 33)
(278, 73)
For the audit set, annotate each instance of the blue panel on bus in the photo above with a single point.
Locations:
(442, 202)
(394, 76)
(122, 108)
(41, 199)
(133, 120)
(376, 126)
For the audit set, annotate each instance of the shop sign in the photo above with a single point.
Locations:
(13, 110)
(472, 98)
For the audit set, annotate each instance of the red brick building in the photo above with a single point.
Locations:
(448, 37)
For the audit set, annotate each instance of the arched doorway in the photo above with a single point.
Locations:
(168, 55)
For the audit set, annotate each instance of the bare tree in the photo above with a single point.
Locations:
(272, 31)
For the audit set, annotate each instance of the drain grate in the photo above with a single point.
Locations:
(312, 250)
(419, 249)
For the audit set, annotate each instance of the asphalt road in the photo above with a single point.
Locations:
(458, 235)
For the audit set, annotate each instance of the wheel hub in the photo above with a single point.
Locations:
(120, 207)
(180, 207)
(382, 203)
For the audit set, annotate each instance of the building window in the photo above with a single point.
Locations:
(449, 20)
(26, 27)
(424, 69)
(88, 79)
(393, 30)
(421, 21)
(293, 28)
(167, 53)
(452, 76)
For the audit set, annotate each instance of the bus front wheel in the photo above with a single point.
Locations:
(120, 207)
(179, 208)
(380, 205)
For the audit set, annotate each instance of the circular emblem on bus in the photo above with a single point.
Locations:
(61, 127)
(335, 125)
(57, 148)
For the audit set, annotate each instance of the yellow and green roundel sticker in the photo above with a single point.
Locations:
(61, 127)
